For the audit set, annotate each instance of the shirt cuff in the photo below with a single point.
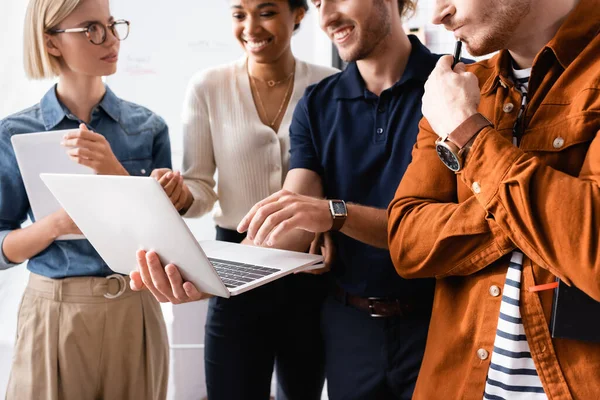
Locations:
(4, 262)
(487, 163)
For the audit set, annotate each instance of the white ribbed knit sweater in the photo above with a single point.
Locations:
(223, 133)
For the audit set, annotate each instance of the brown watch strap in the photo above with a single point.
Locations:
(338, 223)
(469, 128)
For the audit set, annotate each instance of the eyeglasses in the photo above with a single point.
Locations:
(96, 32)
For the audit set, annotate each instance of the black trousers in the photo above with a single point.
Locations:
(273, 326)
(371, 358)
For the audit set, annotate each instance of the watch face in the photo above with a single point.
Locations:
(448, 157)
(339, 208)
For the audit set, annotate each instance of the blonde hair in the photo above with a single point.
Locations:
(43, 15)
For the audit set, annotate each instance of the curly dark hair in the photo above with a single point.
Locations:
(295, 4)
(407, 7)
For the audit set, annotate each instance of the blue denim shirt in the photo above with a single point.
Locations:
(138, 137)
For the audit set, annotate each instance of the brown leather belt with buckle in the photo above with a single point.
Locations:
(379, 307)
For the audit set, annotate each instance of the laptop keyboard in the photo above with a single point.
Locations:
(234, 274)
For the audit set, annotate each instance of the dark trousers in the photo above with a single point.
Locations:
(371, 358)
(273, 326)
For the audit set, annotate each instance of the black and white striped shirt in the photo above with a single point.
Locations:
(512, 374)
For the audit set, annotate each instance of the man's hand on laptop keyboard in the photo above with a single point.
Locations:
(166, 284)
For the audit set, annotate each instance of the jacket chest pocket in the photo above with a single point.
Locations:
(562, 144)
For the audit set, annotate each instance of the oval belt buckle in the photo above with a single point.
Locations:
(122, 286)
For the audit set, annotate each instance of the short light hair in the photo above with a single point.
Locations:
(41, 16)
(407, 8)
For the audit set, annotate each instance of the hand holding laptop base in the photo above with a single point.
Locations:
(165, 283)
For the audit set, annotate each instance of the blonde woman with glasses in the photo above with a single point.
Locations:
(82, 332)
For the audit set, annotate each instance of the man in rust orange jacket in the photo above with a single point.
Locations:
(503, 196)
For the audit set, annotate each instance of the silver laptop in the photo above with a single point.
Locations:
(41, 152)
(120, 215)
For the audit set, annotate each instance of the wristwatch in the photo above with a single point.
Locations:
(452, 148)
(339, 212)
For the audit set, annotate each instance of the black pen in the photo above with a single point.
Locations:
(457, 51)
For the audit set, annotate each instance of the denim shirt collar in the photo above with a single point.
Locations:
(53, 111)
(420, 64)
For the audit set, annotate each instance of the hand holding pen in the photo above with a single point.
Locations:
(451, 94)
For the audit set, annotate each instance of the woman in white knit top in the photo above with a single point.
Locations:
(236, 122)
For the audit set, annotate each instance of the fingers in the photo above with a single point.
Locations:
(159, 277)
(176, 195)
(176, 282)
(316, 244)
(282, 228)
(85, 134)
(183, 199)
(319, 271)
(329, 250)
(267, 219)
(159, 173)
(192, 293)
(444, 64)
(169, 182)
(93, 164)
(248, 218)
(81, 152)
(147, 278)
(135, 282)
(460, 67)
(166, 284)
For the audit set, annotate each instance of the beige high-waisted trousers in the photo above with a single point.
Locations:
(74, 343)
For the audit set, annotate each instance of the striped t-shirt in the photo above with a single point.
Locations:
(512, 374)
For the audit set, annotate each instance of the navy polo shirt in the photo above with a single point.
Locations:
(360, 144)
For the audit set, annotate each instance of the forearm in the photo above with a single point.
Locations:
(367, 225)
(22, 244)
(431, 233)
(551, 216)
(432, 239)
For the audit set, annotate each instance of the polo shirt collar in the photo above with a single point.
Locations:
(420, 63)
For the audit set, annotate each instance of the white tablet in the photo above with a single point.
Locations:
(38, 153)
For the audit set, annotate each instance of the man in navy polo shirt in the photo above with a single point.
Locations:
(351, 141)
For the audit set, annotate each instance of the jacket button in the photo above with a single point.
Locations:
(494, 291)
(482, 354)
(508, 107)
(558, 142)
(476, 187)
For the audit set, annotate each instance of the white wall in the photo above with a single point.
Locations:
(186, 323)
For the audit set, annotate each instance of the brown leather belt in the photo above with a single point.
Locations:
(379, 307)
